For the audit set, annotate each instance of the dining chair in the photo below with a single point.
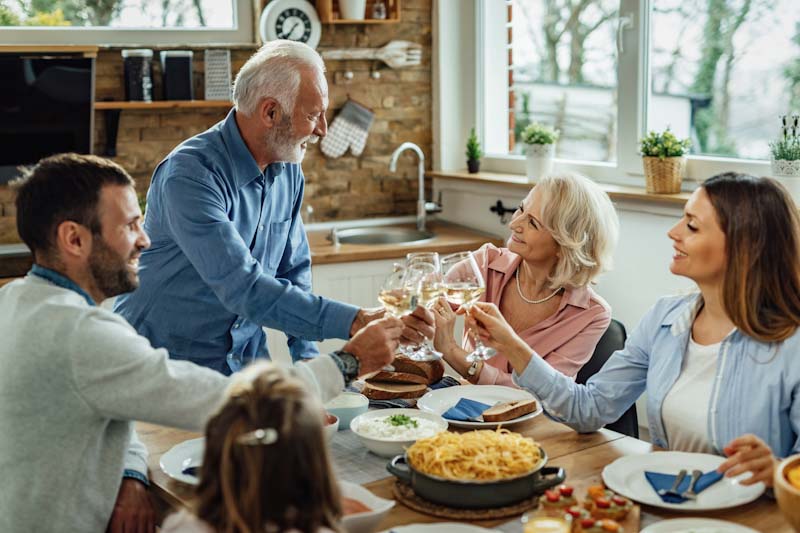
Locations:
(611, 341)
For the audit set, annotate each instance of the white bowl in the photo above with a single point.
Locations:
(330, 428)
(366, 522)
(386, 447)
(347, 406)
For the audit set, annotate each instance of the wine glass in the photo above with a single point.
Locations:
(464, 286)
(398, 293)
(424, 273)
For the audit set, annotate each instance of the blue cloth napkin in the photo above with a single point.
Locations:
(466, 410)
(664, 481)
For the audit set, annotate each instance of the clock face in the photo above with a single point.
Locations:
(296, 20)
(293, 24)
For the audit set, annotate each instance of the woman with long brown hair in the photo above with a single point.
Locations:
(266, 466)
(720, 365)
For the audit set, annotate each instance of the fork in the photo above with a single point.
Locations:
(673, 491)
(689, 493)
(396, 54)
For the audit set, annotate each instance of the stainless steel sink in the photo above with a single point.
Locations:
(379, 235)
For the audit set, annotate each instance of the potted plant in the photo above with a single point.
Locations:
(664, 161)
(540, 150)
(786, 150)
(474, 152)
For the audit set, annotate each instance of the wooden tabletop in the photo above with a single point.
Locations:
(448, 238)
(583, 456)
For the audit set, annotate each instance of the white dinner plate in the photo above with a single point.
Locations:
(696, 525)
(181, 456)
(440, 400)
(626, 477)
(442, 527)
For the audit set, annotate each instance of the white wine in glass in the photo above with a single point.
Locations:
(464, 294)
(464, 286)
(398, 302)
(424, 275)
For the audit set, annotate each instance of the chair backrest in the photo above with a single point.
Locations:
(611, 341)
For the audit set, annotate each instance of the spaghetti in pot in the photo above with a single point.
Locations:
(483, 455)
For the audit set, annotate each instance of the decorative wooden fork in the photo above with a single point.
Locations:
(396, 54)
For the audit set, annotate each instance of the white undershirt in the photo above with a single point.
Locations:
(685, 408)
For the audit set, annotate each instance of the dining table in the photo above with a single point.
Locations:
(582, 455)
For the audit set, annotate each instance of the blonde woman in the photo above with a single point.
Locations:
(562, 236)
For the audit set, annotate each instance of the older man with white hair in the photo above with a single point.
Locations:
(229, 252)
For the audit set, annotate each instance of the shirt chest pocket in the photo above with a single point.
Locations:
(277, 240)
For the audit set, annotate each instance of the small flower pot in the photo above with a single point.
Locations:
(786, 167)
(473, 165)
(539, 160)
(663, 175)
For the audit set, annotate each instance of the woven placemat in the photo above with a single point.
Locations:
(405, 494)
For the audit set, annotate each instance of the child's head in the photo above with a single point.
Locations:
(266, 464)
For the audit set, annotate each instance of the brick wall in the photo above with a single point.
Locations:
(343, 188)
(347, 187)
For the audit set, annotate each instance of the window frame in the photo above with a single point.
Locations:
(242, 33)
(633, 84)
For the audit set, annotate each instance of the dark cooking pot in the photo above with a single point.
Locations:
(476, 494)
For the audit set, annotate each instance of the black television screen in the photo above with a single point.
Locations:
(45, 108)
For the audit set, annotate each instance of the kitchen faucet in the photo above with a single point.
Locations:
(423, 208)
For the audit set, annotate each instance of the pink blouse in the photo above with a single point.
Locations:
(566, 339)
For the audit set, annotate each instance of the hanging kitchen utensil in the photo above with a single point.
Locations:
(396, 54)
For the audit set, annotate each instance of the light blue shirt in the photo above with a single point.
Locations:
(756, 388)
(229, 255)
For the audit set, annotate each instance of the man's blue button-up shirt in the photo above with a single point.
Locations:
(229, 255)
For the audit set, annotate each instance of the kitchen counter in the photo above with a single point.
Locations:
(15, 259)
(448, 238)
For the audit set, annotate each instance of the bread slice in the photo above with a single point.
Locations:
(432, 371)
(398, 377)
(380, 390)
(509, 410)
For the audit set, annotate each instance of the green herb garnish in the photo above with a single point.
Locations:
(401, 420)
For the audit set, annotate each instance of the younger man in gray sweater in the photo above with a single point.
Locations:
(75, 375)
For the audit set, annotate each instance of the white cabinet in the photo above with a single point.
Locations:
(356, 283)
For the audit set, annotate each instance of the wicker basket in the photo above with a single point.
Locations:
(663, 176)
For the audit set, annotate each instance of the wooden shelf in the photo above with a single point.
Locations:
(86, 51)
(162, 104)
(615, 192)
(328, 11)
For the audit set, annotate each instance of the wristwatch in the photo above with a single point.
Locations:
(348, 364)
(472, 371)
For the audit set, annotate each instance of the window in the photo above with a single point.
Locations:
(725, 70)
(605, 71)
(564, 74)
(126, 21)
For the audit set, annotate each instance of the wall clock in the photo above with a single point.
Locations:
(296, 20)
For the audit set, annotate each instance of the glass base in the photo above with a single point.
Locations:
(481, 353)
(424, 353)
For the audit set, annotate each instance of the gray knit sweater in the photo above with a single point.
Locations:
(72, 378)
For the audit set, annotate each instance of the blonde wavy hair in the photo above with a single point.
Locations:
(284, 485)
(583, 222)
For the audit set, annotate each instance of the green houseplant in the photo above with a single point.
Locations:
(540, 150)
(474, 152)
(664, 161)
(786, 150)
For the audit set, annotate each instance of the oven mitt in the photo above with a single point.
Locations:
(348, 130)
(665, 481)
(466, 410)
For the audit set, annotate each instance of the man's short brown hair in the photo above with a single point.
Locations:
(60, 188)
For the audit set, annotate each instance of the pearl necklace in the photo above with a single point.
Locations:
(526, 300)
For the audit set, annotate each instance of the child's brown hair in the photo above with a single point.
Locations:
(266, 465)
